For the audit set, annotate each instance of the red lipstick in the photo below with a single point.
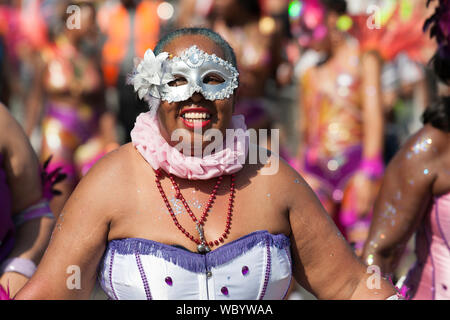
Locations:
(195, 122)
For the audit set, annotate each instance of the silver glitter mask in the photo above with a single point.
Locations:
(195, 65)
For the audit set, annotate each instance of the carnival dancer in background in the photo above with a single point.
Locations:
(255, 231)
(26, 221)
(341, 119)
(129, 28)
(258, 43)
(415, 194)
(76, 130)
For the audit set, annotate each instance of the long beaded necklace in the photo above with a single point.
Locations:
(202, 245)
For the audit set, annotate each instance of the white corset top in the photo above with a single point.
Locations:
(255, 266)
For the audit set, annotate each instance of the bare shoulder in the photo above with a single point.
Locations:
(280, 178)
(21, 164)
(118, 166)
(9, 125)
(7, 121)
(292, 199)
(13, 137)
(108, 181)
(4, 113)
(270, 165)
(421, 153)
(439, 139)
(115, 163)
(425, 145)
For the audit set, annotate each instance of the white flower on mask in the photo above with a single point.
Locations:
(151, 74)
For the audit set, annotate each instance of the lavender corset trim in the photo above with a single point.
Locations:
(196, 262)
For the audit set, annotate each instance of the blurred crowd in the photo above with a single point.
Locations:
(325, 73)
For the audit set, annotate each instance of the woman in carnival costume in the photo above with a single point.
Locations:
(341, 118)
(26, 221)
(415, 194)
(158, 223)
(76, 128)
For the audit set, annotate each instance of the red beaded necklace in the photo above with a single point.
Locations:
(202, 245)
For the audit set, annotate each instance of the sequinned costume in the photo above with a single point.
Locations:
(333, 133)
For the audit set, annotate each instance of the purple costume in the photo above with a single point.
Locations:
(6, 223)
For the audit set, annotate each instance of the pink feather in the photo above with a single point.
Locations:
(403, 291)
(4, 295)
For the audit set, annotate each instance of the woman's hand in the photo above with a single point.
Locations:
(365, 192)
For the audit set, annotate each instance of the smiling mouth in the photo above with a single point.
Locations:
(196, 117)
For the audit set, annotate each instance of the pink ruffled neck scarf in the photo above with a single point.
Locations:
(147, 139)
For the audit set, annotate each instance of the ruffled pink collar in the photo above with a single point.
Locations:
(148, 140)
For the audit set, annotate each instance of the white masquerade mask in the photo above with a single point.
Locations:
(154, 75)
(195, 65)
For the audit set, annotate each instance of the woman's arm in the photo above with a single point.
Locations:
(373, 124)
(302, 118)
(79, 238)
(323, 262)
(24, 181)
(404, 197)
(372, 105)
(35, 103)
(21, 163)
